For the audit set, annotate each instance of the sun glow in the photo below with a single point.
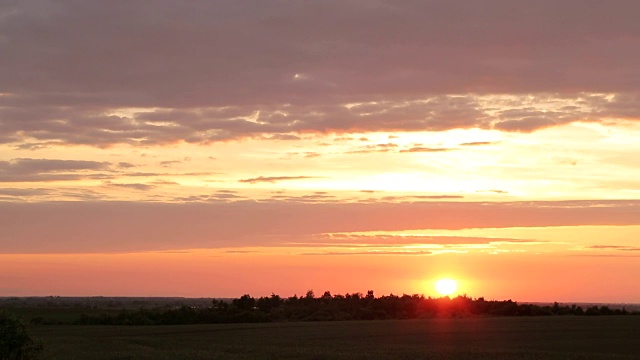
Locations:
(446, 287)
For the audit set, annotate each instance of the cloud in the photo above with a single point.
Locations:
(478, 143)
(495, 191)
(425, 149)
(89, 227)
(168, 163)
(436, 196)
(374, 252)
(273, 179)
(34, 170)
(25, 192)
(208, 71)
(400, 198)
(218, 196)
(36, 166)
(41, 194)
(151, 174)
(614, 247)
(606, 255)
(311, 198)
(164, 182)
(527, 124)
(133, 186)
(284, 137)
(125, 165)
(374, 148)
(342, 240)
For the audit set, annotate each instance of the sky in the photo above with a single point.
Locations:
(218, 148)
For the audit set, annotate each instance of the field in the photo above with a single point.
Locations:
(562, 337)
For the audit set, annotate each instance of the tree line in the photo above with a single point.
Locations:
(328, 307)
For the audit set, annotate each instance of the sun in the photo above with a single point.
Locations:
(446, 287)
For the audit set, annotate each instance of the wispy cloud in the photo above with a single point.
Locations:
(356, 240)
(273, 179)
(133, 186)
(25, 192)
(494, 191)
(33, 170)
(425, 149)
(478, 143)
(125, 165)
(614, 247)
(374, 252)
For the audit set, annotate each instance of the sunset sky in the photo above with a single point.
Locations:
(217, 148)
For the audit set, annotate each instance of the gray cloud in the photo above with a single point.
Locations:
(168, 163)
(25, 192)
(133, 186)
(614, 247)
(311, 198)
(284, 137)
(24, 169)
(230, 52)
(164, 182)
(125, 165)
(35, 166)
(218, 70)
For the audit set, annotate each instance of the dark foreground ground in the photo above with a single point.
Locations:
(566, 337)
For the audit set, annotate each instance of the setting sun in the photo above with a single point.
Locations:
(446, 287)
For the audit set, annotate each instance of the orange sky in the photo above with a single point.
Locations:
(216, 149)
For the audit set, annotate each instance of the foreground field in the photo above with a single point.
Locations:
(568, 337)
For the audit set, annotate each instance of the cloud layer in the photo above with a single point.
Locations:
(89, 227)
(102, 73)
(25, 169)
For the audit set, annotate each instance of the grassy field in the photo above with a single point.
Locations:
(569, 337)
(58, 315)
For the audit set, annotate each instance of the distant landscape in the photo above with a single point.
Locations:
(55, 310)
(398, 327)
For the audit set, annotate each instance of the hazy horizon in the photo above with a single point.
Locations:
(222, 147)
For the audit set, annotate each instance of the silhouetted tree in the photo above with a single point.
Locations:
(245, 302)
(266, 304)
(337, 307)
(15, 342)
